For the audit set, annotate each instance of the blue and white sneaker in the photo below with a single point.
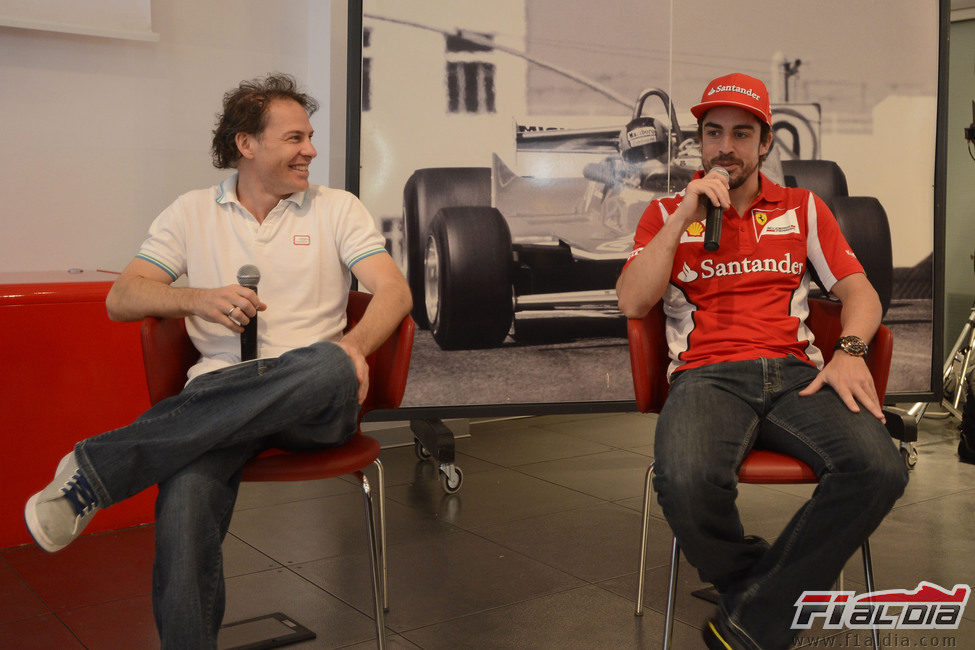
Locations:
(57, 514)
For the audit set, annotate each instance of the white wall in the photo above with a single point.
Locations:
(98, 135)
(960, 189)
(876, 165)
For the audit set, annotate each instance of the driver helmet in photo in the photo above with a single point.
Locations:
(643, 139)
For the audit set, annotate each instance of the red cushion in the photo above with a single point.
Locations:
(762, 466)
(278, 465)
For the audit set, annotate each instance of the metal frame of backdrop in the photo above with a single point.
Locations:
(539, 140)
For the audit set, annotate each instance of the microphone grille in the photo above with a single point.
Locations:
(248, 275)
(722, 171)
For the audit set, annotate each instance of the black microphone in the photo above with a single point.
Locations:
(248, 276)
(712, 225)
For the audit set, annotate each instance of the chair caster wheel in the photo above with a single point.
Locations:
(420, 452)
(451, 478)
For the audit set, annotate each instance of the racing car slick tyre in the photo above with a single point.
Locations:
(468, 278)
(426, 191)
(824, 178)
(863, 222)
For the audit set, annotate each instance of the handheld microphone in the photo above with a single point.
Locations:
(712, 225)
(248, 276)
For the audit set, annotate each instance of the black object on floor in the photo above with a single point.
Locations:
(269, 631)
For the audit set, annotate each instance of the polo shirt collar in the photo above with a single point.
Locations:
(227, 193)
(769, 190)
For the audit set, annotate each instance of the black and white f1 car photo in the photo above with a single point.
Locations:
(486, 247)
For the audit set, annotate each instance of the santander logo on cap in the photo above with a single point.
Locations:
(734, 89)
(739, 90)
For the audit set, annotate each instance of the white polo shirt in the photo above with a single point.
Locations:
(304, 249)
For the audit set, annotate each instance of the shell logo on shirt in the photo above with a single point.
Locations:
(693, 233)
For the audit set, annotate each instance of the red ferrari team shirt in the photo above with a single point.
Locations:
(748, 299)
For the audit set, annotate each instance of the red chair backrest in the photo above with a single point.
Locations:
(168, 353)
(649, 359)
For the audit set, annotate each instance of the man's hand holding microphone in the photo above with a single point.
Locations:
(713, 198)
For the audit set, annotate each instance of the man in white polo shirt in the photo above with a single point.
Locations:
(302, 391)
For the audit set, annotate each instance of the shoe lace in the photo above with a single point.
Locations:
(79, 493)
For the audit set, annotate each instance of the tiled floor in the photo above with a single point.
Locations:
(538, 549)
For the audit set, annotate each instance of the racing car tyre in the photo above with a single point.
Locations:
(824, 178)
(863, 222)
(426, 191)
(468, 278)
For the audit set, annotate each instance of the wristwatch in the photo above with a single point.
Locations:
(852, 345)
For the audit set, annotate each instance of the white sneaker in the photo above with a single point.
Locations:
(57, 514)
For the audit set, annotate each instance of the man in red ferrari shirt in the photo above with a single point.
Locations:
(744, 372)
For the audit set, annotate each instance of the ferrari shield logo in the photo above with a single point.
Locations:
(778, 222)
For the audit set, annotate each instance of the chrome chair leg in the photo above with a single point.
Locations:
(381, 497)
(868, 576)
(671, 593)
(374, 561)
(643, 543)
(674, 563)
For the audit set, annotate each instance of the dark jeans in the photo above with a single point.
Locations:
(194, 445)
(713, 417)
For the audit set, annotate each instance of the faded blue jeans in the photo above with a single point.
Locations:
(713, 417)
(194, 445)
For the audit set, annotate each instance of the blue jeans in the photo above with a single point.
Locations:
(713, 417)
(194, 445)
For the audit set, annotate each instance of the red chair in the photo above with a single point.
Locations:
(649, 361)
(168, 354)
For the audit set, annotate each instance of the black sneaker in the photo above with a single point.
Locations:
(718, 636)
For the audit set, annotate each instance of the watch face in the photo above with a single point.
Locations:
(853, 345)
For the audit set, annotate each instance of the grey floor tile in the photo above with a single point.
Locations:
(316, 528)
(938, 473)
(587, 617)
(512, 447)
(689, 609)
(393, 642)
(240, 558)
(545, 420)
(619, 430)
(605, 540)
(336, 623)
(610, 476)
(930, 541)
(263, 494)
(490, 497)
(441, 579)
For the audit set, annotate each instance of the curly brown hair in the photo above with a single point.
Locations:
(245, 111)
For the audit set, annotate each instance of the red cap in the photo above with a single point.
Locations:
(739, 90)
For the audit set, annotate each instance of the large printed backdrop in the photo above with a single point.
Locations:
(532, 94)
